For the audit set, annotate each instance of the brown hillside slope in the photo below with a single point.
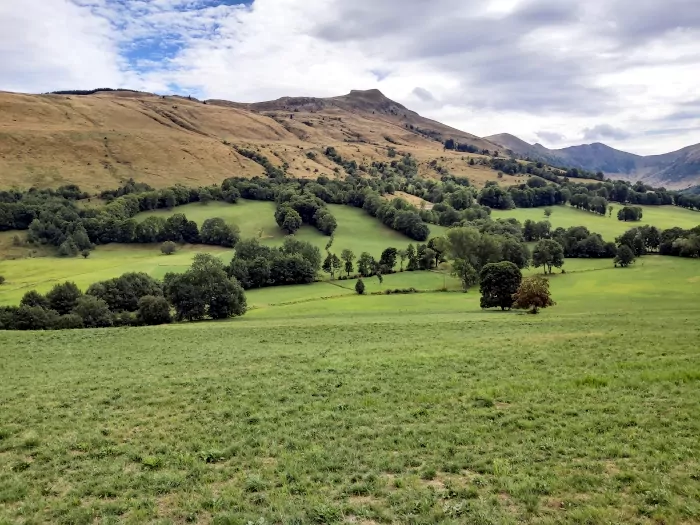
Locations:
(100, 140)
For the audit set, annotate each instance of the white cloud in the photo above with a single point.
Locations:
(517, 66)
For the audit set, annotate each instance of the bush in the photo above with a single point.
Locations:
(125, 319)
(63, 297)
(168, 248)
(2, 279)
(94, 312)
(360, 287)
(69, 322)
(34, 298)
(35, 318)
(154, 311)
(8, 317)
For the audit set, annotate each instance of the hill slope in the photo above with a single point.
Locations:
(677, 169)
(99, 139)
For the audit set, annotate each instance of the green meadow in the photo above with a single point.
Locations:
(663, 217)
(356, 231)
(321, 407)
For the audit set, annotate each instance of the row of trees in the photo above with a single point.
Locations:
(630, 213)
(134, 299)
(673, 241)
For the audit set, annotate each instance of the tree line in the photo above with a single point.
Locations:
(204, 291)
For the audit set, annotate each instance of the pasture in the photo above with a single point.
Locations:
(376, 409)
(356, 231)
(663, 217)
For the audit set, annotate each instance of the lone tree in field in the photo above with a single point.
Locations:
(533, 294)
(625, 256)
(548, 254)
(168, 248)
(360, 287)
(347, 256)
(85, 254)
(499, 283)
(548, 212)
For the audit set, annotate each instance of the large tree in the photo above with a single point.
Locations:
(625, 256)
(205, 290)
(548, 254)
(63, 297)
(347, 256)
(499, 282)
(533, 294)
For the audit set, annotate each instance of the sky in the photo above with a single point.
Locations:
(557, 72)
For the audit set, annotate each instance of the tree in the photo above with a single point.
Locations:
(499, 282)
(548, 254)
(168, 248)
(2, 279)
(94, 312)
(291, 222)
(64, 297)
(427, 259)
(205, 196)
(611, 208)
(205, 290)
(360, 287)
(68, 248)
(388, 260)
(366, 264)
(329, 265)
(533, 293)
(34, 298)
(548, 212)
(85, 254)
(122, 294)
(412, 258)
(439, 245)
(34, 318)
(403, 255)
(153, 310)
(465, 272)
(348, 256)
(630, 213)
(625, 256)
(216, 232)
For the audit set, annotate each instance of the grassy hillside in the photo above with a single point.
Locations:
(356, 231)
(100, 140)
(662, 217)
(374, 409)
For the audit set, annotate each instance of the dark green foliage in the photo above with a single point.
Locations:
(124, 293)
(94, 312)
(216, 232)
(625, 256)
(8, 317)
(347, 256)
(465, 272)
(69, 322)
(366, 264)
(258, 266)
(205, 291)
(68, 248)
(34, 298)
(548, 254)
(64, 297)
(2, 279)
(388, 260)
(153, 310)
(34, 318)
(332, 265)
(578, 242)
(168, 248)
(360, 287)
(630, 213)
(413, 263)
(496, 197)
(499, 282)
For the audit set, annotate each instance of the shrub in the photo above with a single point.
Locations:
(94, 312)
(154, 311)
(63, 297)
(34, 298)
(35, 318)
(360, 287)
(69, 322)
(8, 317)
(125, 319)
(168, 248)
(2, 279)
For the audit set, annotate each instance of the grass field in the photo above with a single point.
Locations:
(356, 231)
(377, 409)
(662, 217)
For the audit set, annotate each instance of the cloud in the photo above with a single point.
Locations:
(423, 94)
(485, 66)
(551, 137)
(604, 132)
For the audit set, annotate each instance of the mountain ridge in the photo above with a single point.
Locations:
(679, 168)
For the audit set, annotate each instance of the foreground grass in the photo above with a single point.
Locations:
(378, 409)
(662, 217)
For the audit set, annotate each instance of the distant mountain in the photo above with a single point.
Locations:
(678, 169)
